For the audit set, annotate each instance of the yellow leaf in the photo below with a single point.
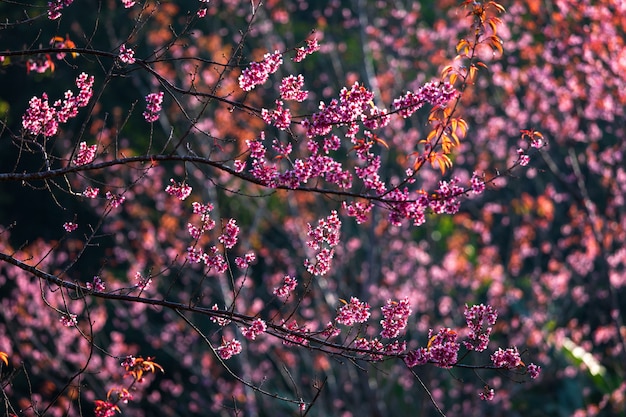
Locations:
(4, 358)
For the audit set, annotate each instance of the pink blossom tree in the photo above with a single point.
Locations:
(353, 218)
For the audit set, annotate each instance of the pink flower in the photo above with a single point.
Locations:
(128, 3)
(396, 315)
(115, 199)
(229, 236)
(42, 118)
(507, 359)
(127, 55)
(480, 319)
(478, 183)
(201, 12)
(178, 190)
(219, 320)
(68, 320)
(70, 226)
(534, 370)
(55, 7)
(311, 46)
(258, 326)
(289, 285)
(522, 158)
(96, 285)
(91, 192)
(291, 88)
(279, 117)
(353, 312)
(258, 72)
(153, 106)
(229, 349)
(487, 394)
(442, 348)
(86, 154)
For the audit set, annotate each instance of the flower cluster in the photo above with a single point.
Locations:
(311, 46)
(116, 200)
(229, 349)
(522, 158)
(534, 370)
(478, 183)
(487, 394)
(219, 320)
(446, 200)
(291, 88)
(323, 238)
(86, 154)
(141, 282)
(355, 104)
(229, 236)
(507, 359)
(358, 210)
(96, 285)
(42, 118)
(91, 192)
(288, 286)
(442, 350)
(257, 327)
(178, 190)
(70, 226)
(279, 117)
(127, 55)
(211, 258)
(105, 408)
(296, 334)
(396, 315)
(68, 320)
(258, 72)
(480, 319)
(243, 261)
(207, 223)
(355, 311)
(437, 94)
(55, 7)
(154, 102)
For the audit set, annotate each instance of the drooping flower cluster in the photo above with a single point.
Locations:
(360, 211)
(311, 46)
(507, 358)
(178, 190)
(297, 334)
(86, 154)
(207, 223)
(355, 311)
(323, 238)
(127, 55)
(41, 118)
(396, 315)
(258, 72)
(229, 349)
(154, 102)
(533, 370)
(212, 257)
(257, 327)
(480, 319)
(487, 394)
(288, 286)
